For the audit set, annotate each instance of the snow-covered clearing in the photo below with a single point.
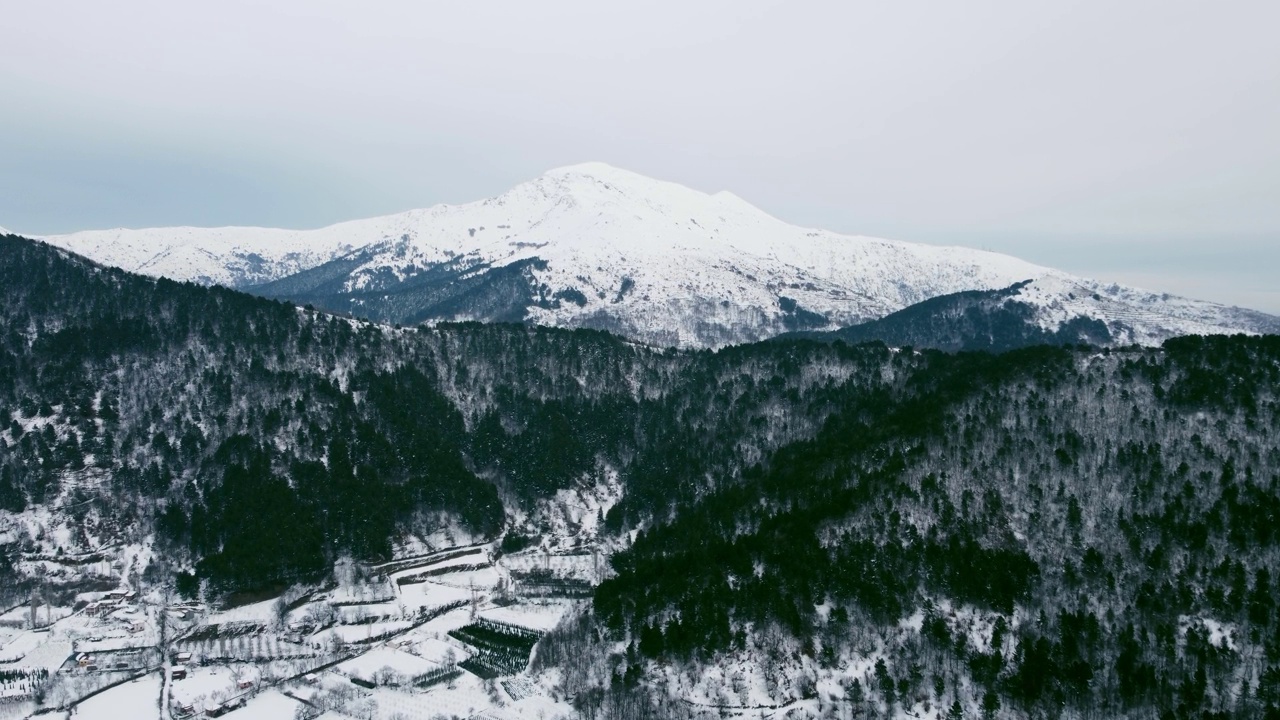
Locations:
(368, 632)
(432, 595)
(269, 705)
(388, 666)
(136, 699)
(539, 618)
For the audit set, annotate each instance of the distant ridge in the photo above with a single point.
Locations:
(990, 320)
(599, 247)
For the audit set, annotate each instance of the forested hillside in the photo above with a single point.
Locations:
(1066, 530)
(256, 442)
(871, 530)
(989, 320)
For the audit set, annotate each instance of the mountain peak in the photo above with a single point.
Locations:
(597, 177)
(608, 174)
(577, 178)
(592, 168)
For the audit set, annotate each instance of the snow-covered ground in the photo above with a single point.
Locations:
(468, 579)
(136, 699)
(464, 697)
(206, 685)
(379, 663)
(1217, 633)
(537, 617)
(441, 625)
(367, 631)
(49, 653)
(18, 644)
(270, 705)
(261, 612)
(432, 595)
(437, 651)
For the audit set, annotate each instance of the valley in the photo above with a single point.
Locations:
(447, 634)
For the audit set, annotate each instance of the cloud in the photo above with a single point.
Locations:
(930, 122)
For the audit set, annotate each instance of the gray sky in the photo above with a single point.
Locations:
(1130, 141)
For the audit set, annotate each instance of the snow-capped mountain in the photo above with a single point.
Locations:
(594, 246)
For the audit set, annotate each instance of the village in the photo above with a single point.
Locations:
(441, 634)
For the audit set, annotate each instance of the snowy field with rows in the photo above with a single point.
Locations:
(389, 642)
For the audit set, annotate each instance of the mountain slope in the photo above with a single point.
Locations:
(213, 424)
(971, 320)
(598, 247)
(1058, 532)
(815, 528)
(1048, 311)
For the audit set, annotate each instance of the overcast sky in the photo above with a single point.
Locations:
(1129, 141)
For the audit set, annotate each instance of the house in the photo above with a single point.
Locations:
(244, 684)
(182, 658)
(179, 672)
(102, 607)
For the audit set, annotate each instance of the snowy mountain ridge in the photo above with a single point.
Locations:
(595, 246)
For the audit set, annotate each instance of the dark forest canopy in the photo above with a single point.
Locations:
(989, 320)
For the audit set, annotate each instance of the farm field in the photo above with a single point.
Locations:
(141, 697)
(442, 634)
